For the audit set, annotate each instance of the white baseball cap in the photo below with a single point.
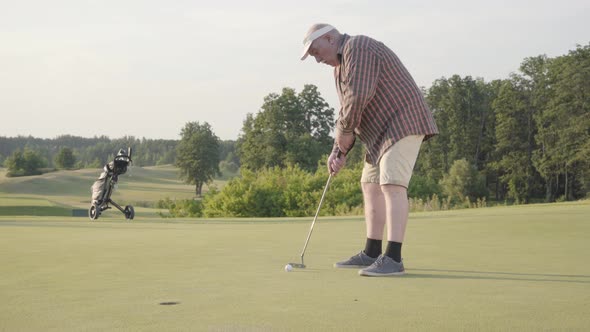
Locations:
(313, 36)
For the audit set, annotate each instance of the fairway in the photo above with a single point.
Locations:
(519, 268)
(58, 193)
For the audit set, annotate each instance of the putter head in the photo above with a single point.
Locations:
(297, 265)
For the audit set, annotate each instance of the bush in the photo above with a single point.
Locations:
(145, 204)
(65, 159)
(434, 203)
(254, 194)
(14, 174)
(463, 181)
(285, 192)
(423, 187)
(228, 168)
(293, 192)
(95, 164)
(345, 196)
(24, 163)
(190, 208)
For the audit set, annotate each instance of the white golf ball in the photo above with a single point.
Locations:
(288, 268)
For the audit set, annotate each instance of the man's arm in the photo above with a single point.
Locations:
(361, 73)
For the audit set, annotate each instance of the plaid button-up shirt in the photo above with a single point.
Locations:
(380, 102)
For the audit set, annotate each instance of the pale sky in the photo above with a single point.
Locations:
(145, 68)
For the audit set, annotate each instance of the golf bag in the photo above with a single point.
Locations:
(103, 188)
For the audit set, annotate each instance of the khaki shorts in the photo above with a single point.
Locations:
(396, 164)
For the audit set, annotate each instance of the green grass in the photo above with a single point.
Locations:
(23, 210)
(23, 201)
(521, 268)
(31, 206)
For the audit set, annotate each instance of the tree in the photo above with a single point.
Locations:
(230, 163)
(33, 162)
(167, 158)
(464, 104)
(514, 136)
(65, 159)
(463, 180)
(461, 109)
(290, 129)
(198, 155)
(563, 126)
(24, 163)
(15, 163)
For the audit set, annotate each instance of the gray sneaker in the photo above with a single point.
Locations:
(359, 260)
(384, 266)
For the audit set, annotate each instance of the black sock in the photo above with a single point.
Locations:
(373, 248)
(394, 251)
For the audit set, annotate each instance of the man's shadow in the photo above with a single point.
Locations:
(492, 275)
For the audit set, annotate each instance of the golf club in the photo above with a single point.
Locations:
(302, 265)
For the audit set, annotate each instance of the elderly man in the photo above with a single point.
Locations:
(383, 107)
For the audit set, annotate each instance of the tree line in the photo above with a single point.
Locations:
(524, 138)
(527, 136)
(91, 152)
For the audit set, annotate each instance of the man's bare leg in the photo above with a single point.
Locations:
(374, 218)
(397, 210)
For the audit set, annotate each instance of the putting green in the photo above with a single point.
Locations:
(519, 268)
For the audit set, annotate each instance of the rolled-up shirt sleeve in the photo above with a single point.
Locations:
(359, 82)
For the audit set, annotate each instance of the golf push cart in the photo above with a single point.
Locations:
(103, 188)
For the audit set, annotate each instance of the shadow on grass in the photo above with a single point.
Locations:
(490, 275)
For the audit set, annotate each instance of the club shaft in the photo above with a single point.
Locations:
(316, 217)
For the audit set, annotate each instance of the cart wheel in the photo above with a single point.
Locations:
(93, 213)
(129, 212)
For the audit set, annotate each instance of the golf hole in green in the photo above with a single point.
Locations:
(169, 303)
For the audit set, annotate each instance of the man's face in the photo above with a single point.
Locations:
(324, 50)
